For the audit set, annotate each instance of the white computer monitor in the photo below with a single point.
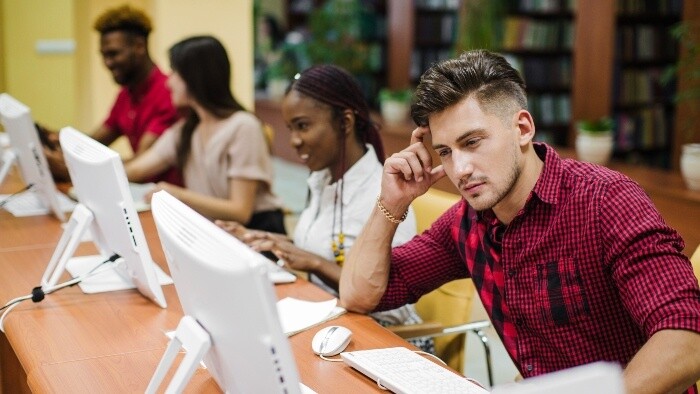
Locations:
(26, 150)
(106, 210)
(598, 377)
(225, 289)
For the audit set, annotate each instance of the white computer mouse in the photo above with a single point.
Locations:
(331, 340)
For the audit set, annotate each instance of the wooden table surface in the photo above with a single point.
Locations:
(112, 342)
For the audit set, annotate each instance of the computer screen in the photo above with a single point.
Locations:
(26, 150)
(222, 286)
(105, 208)
(598, 377)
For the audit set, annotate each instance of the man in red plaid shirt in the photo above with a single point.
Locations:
(572, 261)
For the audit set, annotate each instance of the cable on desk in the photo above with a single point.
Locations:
(15, 194)
(38, 293)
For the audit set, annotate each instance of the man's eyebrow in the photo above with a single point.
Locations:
(461, 138)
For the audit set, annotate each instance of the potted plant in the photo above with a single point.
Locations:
(594, 140)
(687, 98)
(395, 105)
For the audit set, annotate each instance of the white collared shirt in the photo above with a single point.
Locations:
(362, 186)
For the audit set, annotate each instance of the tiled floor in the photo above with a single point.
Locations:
(290, 186)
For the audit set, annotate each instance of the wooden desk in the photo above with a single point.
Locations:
(112, 342)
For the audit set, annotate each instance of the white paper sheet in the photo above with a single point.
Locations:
(298, 315)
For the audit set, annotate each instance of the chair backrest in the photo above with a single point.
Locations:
(695, 260)
(269, 134)
(451, 303)
(431, 205)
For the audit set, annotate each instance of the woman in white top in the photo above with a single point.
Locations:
(330, 129)
(219, 147)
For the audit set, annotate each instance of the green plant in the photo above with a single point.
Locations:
(595, 126)
(336, 36)
(281, 68)
(480, 25)
(403, 95)
(286, 62)
(686, 72)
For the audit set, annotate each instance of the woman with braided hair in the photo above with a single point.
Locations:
(331, 130)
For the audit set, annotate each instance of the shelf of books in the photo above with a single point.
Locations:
(435, 30)
(643, 106)
(538, 40)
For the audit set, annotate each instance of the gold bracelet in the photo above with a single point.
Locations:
(388, 214)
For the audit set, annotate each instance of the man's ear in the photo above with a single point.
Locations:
(525, 125)
(140, 45)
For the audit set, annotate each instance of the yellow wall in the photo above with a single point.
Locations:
(229, 21)
(2, 52)
(45, 82)
(48, 83)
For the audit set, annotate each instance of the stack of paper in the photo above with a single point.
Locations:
(298, 315)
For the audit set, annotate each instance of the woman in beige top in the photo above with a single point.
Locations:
(219, 147)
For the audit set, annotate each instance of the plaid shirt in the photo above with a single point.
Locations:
(586, 271)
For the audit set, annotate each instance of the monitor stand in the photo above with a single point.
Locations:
(6, 161)
(62, 260)
(196, 341)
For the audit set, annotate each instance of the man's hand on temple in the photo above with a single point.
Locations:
(409, 173)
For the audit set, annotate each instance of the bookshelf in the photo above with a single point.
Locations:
(582, 58)
(434, 34)
(538, 40)
(643, 107)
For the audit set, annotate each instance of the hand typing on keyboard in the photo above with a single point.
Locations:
(406, 372)
(280, 245)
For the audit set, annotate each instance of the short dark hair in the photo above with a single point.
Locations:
(124, 18)
(487, 75)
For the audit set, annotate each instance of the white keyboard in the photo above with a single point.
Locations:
(275, 273)
(28, 203)
(403, 371)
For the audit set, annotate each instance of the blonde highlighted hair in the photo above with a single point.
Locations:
(124, 18)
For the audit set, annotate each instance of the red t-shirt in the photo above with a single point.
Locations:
(146, 108)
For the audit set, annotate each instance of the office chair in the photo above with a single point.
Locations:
(695, 260)
(269, 134)
(446, 310)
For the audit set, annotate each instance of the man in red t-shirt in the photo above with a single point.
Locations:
(143, 109)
